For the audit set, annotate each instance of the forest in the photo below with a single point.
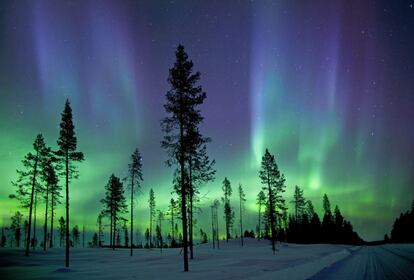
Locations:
(49, 173)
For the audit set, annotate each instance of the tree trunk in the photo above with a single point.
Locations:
(217, 229)
(183, 197)
(271, 214)
(67, 210)
(132, 210)
(150, 229)
(241, 222)
(260, 225)
(31, 205)
(114, 233)
(191, 210)
(34, 222)
(51, 221)
(212, 228)
(45, 229)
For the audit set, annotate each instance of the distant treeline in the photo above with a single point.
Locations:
(403, 228)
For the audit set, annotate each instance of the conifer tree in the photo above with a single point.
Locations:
(242, 200)
(274, 184)
(261, 202)
(151, 204)
(228, 211)
(172, 210)
(327, 222)
(54, 192)
(51, 181)
(75, 235)
(28, 182)
(160, 218)
(100, 228)
(183, 118)
(67, 153)
(114, 204)
(15, 227)
(299, 203)
(62, 230)
(134, 179)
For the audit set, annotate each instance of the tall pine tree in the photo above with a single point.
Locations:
(28, 181)
(242, 200)
(151, 205)
(134, 183)
(228, 211)
(274, 185)
(67, 153)
(114, 204)
(182, 101)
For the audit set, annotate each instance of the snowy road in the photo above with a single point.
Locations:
(373, 262)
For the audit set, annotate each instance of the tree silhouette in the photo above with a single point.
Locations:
(403, 227)
(299, 203)
(3, 238)
(27, 183)
(15, 227)
(54, 192)
(327, 222)
(242, 200)
(228, 211)
(114, 204)
(261, 202)
(135, 179)
(172, 210)
(100, 228)
(62, 230)
(183, 119)
(75, 235)
(51, 188)
(67, 153)
(274, 183)
(200, 170)
(160, 218)
(151, 205)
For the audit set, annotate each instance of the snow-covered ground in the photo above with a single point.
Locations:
(231, 261)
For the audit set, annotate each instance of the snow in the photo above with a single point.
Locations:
(374, 262)
(253, 261)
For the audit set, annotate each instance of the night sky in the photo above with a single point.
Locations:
(327, 86)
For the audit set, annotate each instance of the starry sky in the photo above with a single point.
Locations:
(327, 86)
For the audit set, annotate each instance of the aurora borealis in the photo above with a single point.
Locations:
(327, 86)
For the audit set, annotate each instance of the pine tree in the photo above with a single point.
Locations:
(338, 225)
(27, 183)
(242, 200)
(62, 230)
(95, 240)
(134, 179)
(100, 228)
(51, 181)
(183, 118)
(15, 227)
(228, 211)
(114, 204)
(151, 204)
(67, 153)
(274, 183)
(172, 210)
(3, 238)
(75, 235)
(54, 192)
(160, 218)
(327, 222)
(261, 201)
(200, 170)
(299, 203)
